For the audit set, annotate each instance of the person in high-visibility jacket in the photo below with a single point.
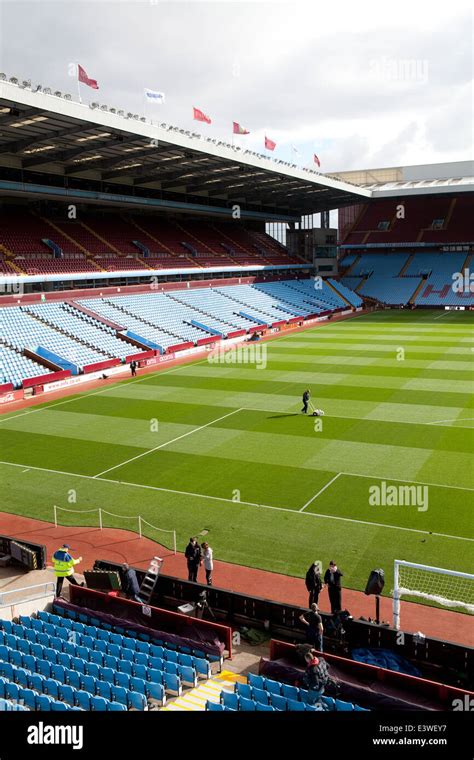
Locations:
(63, 564)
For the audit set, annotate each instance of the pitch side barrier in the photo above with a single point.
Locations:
(437, 659)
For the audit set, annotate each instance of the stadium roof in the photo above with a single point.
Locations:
(424, 179)
(44, 134)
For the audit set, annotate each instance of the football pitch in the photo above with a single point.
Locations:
(223, 447)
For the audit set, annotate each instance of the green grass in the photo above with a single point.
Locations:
(233, 455)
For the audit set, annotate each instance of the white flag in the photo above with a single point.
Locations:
(156, 97)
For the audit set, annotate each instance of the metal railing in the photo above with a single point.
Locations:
(49, 587)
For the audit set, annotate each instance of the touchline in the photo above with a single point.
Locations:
(45, 734)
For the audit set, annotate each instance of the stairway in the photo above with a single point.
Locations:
(195, 699)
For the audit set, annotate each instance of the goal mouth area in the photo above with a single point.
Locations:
(441, 600)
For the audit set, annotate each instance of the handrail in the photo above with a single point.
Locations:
(44, 585)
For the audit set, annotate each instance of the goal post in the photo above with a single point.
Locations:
(448, 588)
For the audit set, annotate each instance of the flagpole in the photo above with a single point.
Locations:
(78, 83)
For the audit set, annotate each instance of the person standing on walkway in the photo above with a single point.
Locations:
(63, 564)
(313, 582)
(208, 562)
(314, 627)
(332, 579)
(194, 558)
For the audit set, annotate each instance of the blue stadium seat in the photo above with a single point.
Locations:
(82, 652)
(44, 668)
(125, 667)
(88, 683)
(50, 687)
(107, 674)
(27, 696)
(67, 694)
(49, 629)
(62, 633)
(30, 635)
(83, 700)
(43, 616)
(140, 658)
(116, 638)
(18, 630)
(50, 654)
(203, 667)
(156, 691)
(170, 667)
(127, 654)
(264, 707)
(6, 670)
(157, 663)
(260, 696)
(274, 687)
(37, 625)
(290, 692)
(104, 689)
(96, 657)
(358, 708)
(172, 684)
(29, 662)
(64, 659)
(230, 699)
(79, 627)
(78, 664)
(143, 647)
(171, 655)
(25, 620)
(214, 706)
(43, 703)
(115, 707)
(59, 706)
(102, 647)
(138, 684)
(35, 681)
(119, 694)
(136, 701)
(152, 674)
(4, 651)
(92, 669)
(129, 644)
(279, 702)
(122, 679)
(56, 643)
(66, 623)
(15, 658)
(21, 677)
(3, 682)
(310, 697)
(7, 626)
(11, 641)
(110, 661)
(295, 706)
(247, 705)
(69, 648)
(73, 678)
(344, 706)
(87, 641)
(101, 634)
(243, 690)
(156, 651)
(98, 704)
(257, 681)
(329, 703)
(12, 690)
(58, 672)
(114, 650)
(24, 646)
(188, 676)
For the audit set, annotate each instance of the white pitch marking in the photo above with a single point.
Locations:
(166, 443)
(440, 422)
(319, 492)
(263, 506)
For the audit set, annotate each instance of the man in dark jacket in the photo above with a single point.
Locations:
(194, 558)
(332, 579)
(313, 583)
(314, 627)
(130, 585)
(306, 396)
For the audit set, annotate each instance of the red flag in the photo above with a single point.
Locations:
(82, 77)
(238, 130)
(316, 160)
(200, 116)
(269, 144)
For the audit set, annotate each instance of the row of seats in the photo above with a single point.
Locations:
(86, 619)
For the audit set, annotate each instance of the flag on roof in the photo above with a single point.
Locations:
(153, 95)
(82, 77)
(316, 160)
(269, 144)
(238, 130)
(200, 116)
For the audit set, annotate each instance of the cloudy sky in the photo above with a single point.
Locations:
(363, 84)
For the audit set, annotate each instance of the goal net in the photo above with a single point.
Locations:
(447, 588)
